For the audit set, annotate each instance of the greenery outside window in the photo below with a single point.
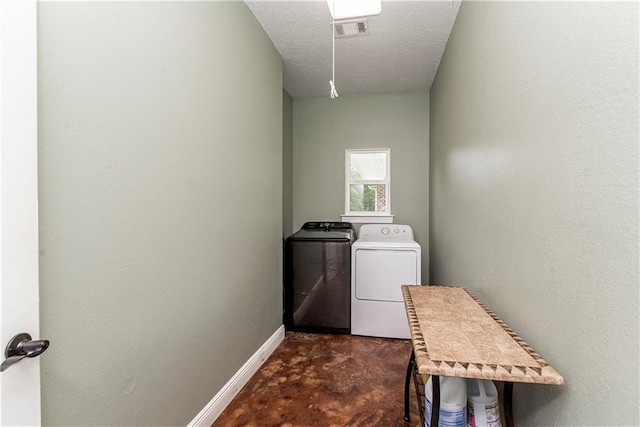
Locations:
(367, 192)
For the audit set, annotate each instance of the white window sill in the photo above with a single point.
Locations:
(368, 219)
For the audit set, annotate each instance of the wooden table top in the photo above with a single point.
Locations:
(456, 335)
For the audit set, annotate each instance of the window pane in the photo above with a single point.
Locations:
(368, 166)
(367, 198)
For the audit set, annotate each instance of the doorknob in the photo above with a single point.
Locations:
(22, 346)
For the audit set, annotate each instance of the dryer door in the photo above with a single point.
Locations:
(379, 273)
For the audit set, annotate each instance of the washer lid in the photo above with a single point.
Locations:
(321, 236)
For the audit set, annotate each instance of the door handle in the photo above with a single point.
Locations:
(22, 346)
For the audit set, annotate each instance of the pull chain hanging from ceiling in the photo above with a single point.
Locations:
(348, 9)
(333, 93)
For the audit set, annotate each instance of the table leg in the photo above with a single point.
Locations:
(435, 403)
(508, 406)
(407, 380)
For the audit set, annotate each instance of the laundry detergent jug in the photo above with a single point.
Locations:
(453, 402)
(482, 404)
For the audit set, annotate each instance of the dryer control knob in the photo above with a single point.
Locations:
(385, 231)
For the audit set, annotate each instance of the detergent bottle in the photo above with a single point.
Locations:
(482, 404)
(453, 402)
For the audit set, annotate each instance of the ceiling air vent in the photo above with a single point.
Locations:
(352, 28)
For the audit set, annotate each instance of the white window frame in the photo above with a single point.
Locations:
(367, 217)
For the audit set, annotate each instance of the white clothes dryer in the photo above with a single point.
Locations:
(384, 257)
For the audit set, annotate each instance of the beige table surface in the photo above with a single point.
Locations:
(456, 335)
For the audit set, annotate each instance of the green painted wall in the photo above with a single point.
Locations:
(534, 192)
(323, 128)
(160, 152)
(287, 164)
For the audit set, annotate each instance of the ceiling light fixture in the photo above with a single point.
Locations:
(345, 9)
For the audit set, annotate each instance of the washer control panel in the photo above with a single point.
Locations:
(386, 231)
(327, 226)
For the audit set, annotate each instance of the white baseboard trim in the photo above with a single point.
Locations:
(214, 408)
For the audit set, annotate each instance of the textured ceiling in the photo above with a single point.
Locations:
(401, 52)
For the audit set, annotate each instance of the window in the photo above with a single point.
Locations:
(367, 186)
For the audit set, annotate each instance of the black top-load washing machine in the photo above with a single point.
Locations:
(317, 278)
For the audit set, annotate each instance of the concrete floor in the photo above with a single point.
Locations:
(327, 380)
